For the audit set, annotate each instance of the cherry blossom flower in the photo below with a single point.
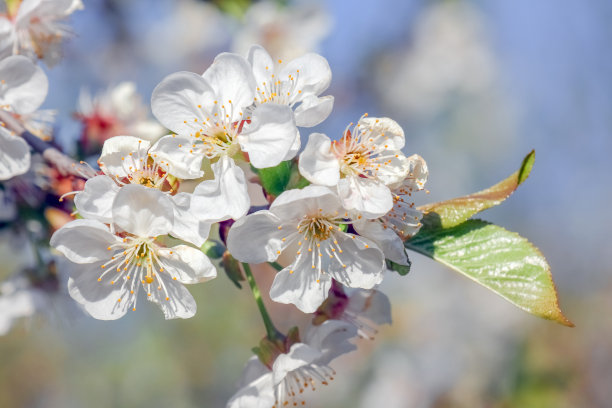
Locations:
(119, 110)
(23, 88)
(363, 308)
(308, 222)
(128, 160)
(35, 28)
(282, 382)
(360, 165)
(116, 260)
(211, 112)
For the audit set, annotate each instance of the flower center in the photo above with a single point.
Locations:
(289, 391)
(281, 91)
(218, 130)
(315, 228)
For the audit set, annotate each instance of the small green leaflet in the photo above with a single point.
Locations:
(499, 260)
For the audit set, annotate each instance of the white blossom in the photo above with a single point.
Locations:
(361, 165)
(116, 260)
(308, 222)
(35, 28)
(302, 367)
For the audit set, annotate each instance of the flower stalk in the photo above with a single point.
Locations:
(271, 331)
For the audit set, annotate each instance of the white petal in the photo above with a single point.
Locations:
(257, 394)
(299, 355)
(96, 199)
(142, 211)
(269, 136)
(231, 78)
(101, 299)
(386, 239)
(261, 63)
(364, 262)
(394, 134)
(313, 110)
(317, 163)
(314, 74)
(332, 338)
(24, 84)
(252, 371)
(175, 101)
(14, 155)
(294, 204)
(176, 154)
(371, 304)
(295, 146)
(180, 303)
(117, 150)
(256, 238)
(223, 197)
(304, 288)
(187, 264)
(83, 241)
(370, 198)
(186, 225)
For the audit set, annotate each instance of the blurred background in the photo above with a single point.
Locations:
(476, 85)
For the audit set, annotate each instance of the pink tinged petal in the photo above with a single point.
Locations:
(386, 239)
(175, 102)
(231, 78)
(317, 163)
(101, 299)
(115, 151)
(294, 204)
(14, 155)
(225, 196)
(142, 211)
(269, 136)
(370, 198)
(186, 226)
(24, 85)
(186, 264)
(177, 155)
(257, 238)
(261, 63)
(84, 241)
(96, 199)
(314, 74)
(173, 298)
(257, 394)
(372, 305)
(365, 262)
(305, 287)
(313, 110)
(299, 355)
(394, 134)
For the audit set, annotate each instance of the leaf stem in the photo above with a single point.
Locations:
(276, 266)
(271, 331)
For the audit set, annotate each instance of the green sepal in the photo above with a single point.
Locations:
(213, 249)
(232, 269)
(282, 177)
(403, 270)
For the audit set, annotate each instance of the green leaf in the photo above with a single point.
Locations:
(275, 179)
(403, 270)
(499, 260)
(453, 212)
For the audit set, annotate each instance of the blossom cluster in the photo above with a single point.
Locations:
(144, 218)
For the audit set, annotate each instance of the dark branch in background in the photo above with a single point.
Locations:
(64, 164)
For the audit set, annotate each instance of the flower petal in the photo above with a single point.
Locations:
(96, 199)
(370, 304)
(393, 132)
(115, 151)
(14, 155)
(299, 355)
(317, 163)
(294, 204)
(386, 239)
(313, 110)
(231, 78)
(256, 238)
(300, 285)
(370, 198)
(173, 299)
(177, 156)
(83, 241)
(270, 135)
(187, 264)
(261, 63)
(331, 338)
(223, 197)
(175, 101)
(312, 72)
(24, 84)
(186, 225)
(257, 394)
(142, 211)
(365, 262)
